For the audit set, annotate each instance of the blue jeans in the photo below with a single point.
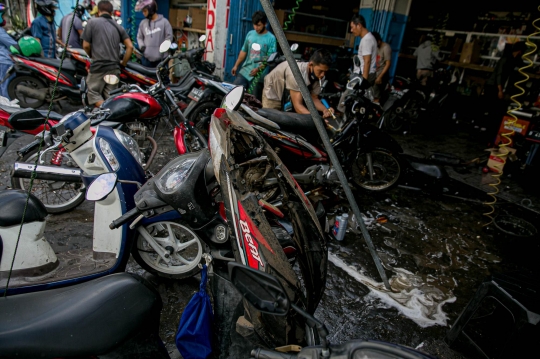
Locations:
(147, 63)
(4, 87)
(241, 81)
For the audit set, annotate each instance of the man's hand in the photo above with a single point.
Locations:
(378, 81)
(501, 94)
(254, 72)
(233, 71)
(123, 63)
(328, 113)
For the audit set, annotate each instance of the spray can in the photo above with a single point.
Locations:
(335, 227)
(340, 226)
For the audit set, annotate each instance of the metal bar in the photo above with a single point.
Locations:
(316, 16)
(283, 43)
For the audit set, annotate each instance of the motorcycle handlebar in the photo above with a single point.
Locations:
(118, 90)
(126, 217)
(269, 354)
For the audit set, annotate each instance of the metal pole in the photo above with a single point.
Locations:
(284, 44)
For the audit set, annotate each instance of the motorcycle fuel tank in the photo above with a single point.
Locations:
(130, 106)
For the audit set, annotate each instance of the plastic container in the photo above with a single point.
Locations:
(340, 226)
(183, 49)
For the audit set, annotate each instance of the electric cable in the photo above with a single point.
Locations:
(286, 24)
(41, 142)
(503, 150)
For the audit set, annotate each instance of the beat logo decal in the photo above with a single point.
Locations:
(252, 237)
(251, 244)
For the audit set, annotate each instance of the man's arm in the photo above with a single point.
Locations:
(367, 65)
(140, 39)
(168, 30)
(129, 51)
(241, 57)
(298, 103)
(87, 48)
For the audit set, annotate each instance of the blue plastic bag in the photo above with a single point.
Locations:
(194, 336)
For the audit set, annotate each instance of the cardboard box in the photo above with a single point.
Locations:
(519, 127)
(199, 18)
(470, 54)
(498, 156)
(455, 49)
(177, 16)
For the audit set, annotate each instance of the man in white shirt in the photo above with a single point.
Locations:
(365, 63)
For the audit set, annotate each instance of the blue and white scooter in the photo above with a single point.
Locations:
(150, 240)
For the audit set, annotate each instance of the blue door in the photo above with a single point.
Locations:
(239, 25)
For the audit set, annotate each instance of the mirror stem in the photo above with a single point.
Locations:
(312, 322)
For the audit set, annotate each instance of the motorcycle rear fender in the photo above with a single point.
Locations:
(24, 70)
(370, 137)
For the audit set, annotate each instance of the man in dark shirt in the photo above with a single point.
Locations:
(101, 41)
(76, 31)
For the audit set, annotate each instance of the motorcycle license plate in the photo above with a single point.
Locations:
(195, 94)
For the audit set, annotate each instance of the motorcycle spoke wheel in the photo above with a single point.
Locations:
(56, 196)
(184, 244)
(386, 170)
(393, 122)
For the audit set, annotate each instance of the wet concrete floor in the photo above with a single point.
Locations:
(435, 249)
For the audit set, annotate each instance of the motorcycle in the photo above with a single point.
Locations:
(35, 78)
(209, 189)
(414, 103)
(266, 294)
(116, 316)
(36, 266)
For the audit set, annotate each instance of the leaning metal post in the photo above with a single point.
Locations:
(284, 44)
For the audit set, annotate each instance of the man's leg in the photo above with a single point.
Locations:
(266, 103)
(95, 84)
(241, 81)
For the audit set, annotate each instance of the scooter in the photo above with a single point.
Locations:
(265, 293)
(116, 316)
(210, 192)
(35, 79)
(36, 267)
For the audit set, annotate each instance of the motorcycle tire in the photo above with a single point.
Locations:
(386, 168)
(29, 81)
(146, 257)
(393, 122)
(57, 197)
(201, 112)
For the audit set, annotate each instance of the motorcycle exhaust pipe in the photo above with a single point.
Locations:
(49, 173)
(33, 93)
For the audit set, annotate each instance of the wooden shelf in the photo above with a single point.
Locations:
(314, 39)
(190, 30)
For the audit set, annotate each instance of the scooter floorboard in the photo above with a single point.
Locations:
(72, 264)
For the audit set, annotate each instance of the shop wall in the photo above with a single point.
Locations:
(217, 25)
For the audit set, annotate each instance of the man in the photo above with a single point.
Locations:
(43, 27)
(76, 31)
(365, 61)
(152, 32)
(101, 40)
(6, 42)
(384, 54)
(259, 35)
(281, 79)
(425, 59)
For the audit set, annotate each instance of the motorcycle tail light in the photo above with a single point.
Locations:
(200, 83)
(218, 112)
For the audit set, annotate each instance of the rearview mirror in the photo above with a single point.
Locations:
(202, 38)
(260, 289)
(164, 47)
(351, 85)
(101, 187)
(255, 47)
(234, 98)
(294, 47)
(111, 79)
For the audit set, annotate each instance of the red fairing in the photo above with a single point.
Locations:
(48, 71)
(251, 237)
(154, 108)
(178, 135)
(126, 73)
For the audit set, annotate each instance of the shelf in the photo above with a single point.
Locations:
(314, 38)
(189, 29)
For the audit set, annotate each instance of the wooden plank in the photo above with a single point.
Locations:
(313, 39)
(189, 29)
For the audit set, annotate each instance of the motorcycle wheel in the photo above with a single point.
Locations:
(393, 122)
(204, 110)
(29, 81)
(57, 197)
(386, 170)
(184, 261)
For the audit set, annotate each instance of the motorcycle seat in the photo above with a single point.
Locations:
(67, 65)
(184, 86)
(80, 320)
(147, 71)
(289, 121)
(13, 202)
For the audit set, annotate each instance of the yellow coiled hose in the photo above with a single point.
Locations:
(503, 151)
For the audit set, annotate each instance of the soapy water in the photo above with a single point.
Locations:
(410, 295)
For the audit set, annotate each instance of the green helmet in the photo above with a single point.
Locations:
(29, 46)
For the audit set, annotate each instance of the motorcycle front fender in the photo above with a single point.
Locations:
(371, 137)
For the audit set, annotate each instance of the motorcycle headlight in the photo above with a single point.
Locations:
(130, 144)
(109, 155)
(173, 178)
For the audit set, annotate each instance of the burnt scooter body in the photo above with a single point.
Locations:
(111, 317)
